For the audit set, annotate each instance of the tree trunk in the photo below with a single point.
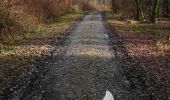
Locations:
(154, 11)
(139, 13)
(114, 7)
(166, 8)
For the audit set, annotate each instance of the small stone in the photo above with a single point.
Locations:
(11, 89)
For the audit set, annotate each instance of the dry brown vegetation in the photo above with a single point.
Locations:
(18, 16)
(28, 28)
(15, 58)
(144, 52)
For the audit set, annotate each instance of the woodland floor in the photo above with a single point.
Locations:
(22, 55)
(128, 58)
(144, 53)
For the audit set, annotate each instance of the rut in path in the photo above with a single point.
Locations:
(87, 69)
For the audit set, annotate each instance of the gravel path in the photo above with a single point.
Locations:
(87, 68)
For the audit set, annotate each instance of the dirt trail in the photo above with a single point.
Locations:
(87, 68)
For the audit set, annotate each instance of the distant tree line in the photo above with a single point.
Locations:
(142, 9)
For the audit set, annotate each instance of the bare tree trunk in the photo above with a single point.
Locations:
(166, 4)
(139, 12)
(95, 3)
(114, 6)
(154, 10)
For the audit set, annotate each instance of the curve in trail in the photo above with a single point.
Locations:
(87, 69)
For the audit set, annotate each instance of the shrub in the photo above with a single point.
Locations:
(19, 15)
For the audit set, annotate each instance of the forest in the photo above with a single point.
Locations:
(19, 13)
(37, 34)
